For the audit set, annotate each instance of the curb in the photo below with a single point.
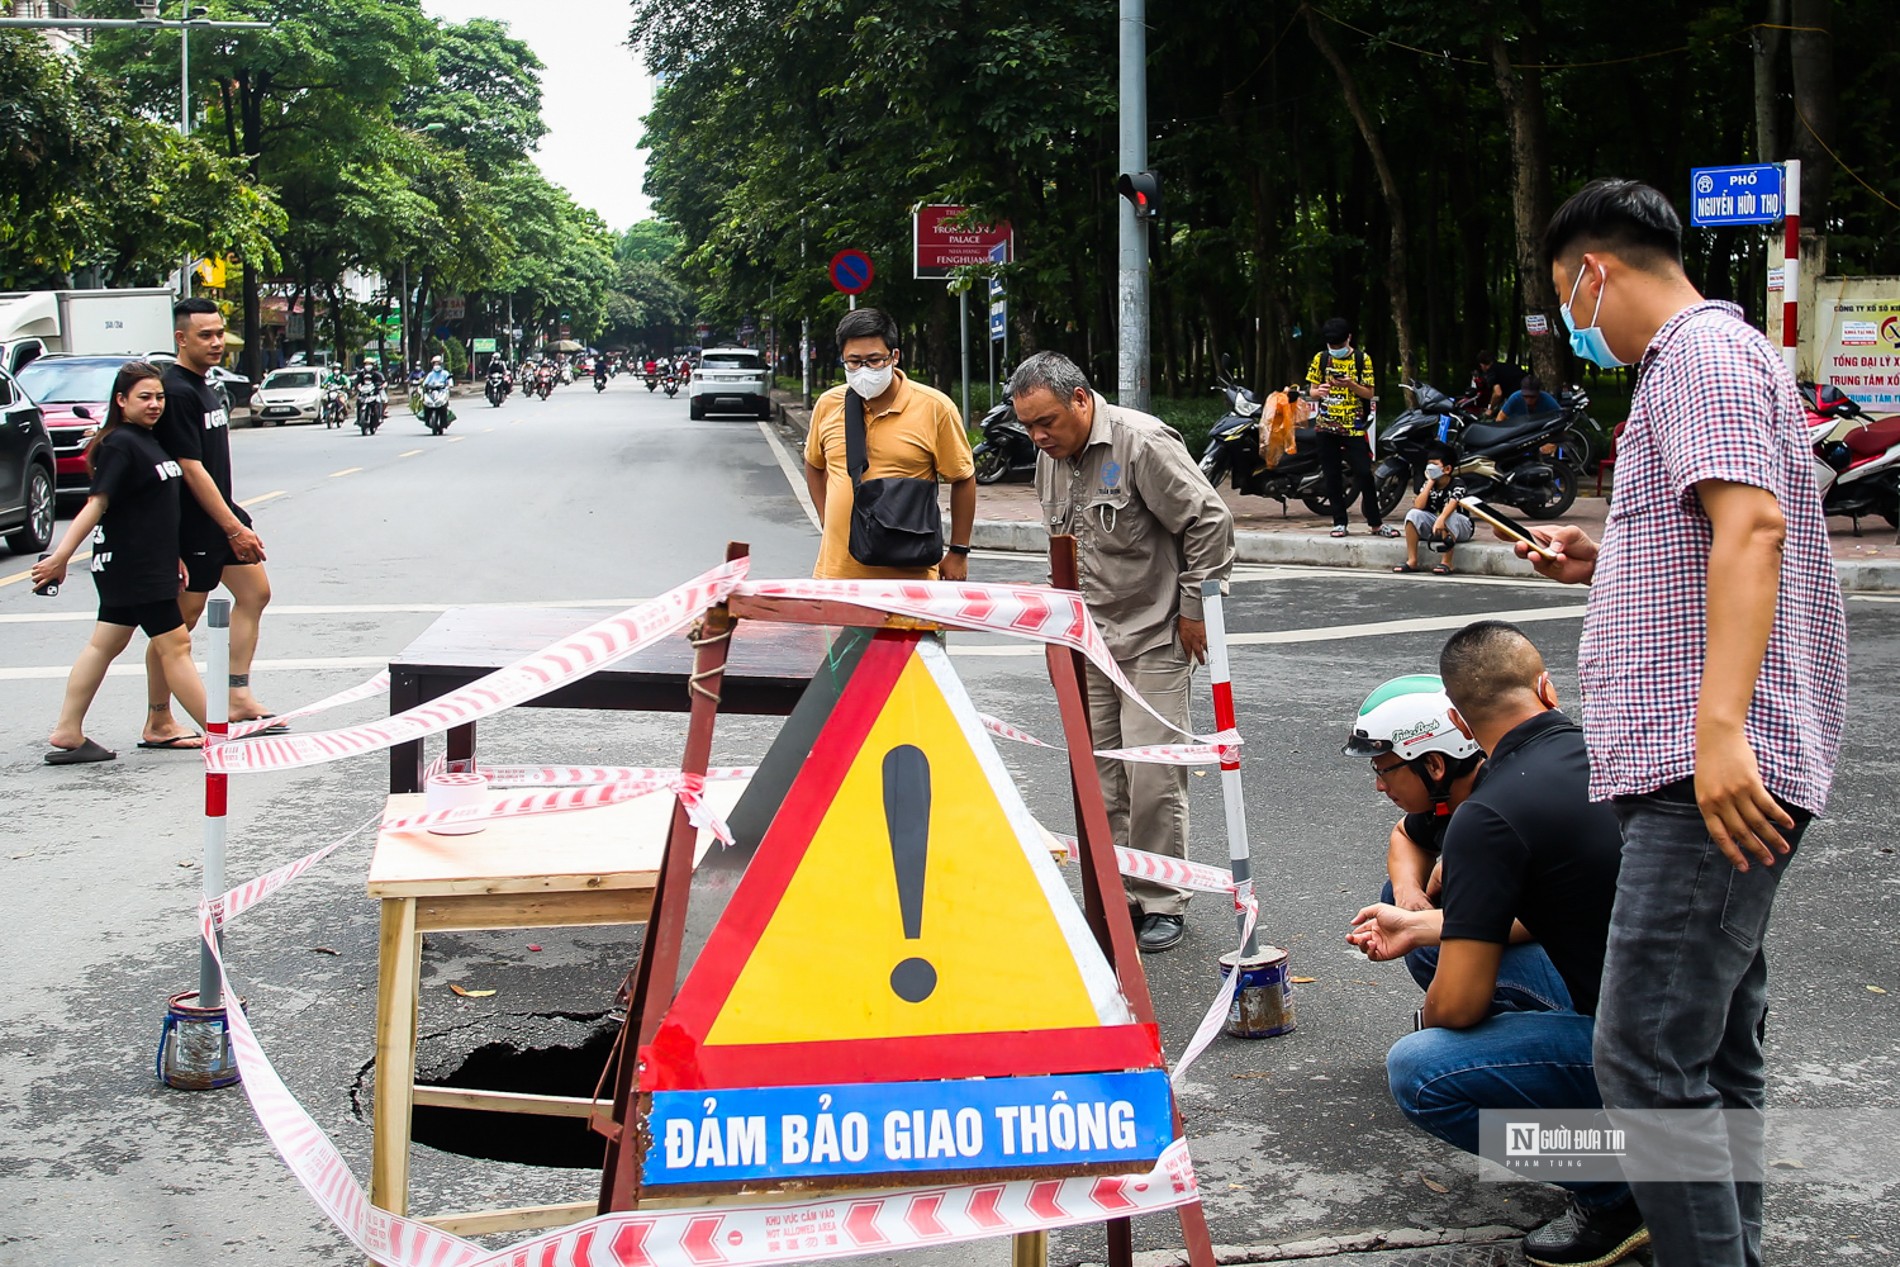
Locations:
(1365, 553)
(1378, 554)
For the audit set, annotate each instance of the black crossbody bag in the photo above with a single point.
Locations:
(895, 522)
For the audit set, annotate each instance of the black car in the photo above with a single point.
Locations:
(26, 472)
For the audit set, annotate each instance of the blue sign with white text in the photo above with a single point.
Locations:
(876, 1128)
(1735, 195)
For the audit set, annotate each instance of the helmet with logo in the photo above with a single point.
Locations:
(1408, 716)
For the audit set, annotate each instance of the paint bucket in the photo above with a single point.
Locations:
(194, 1046)
(1263, 1005)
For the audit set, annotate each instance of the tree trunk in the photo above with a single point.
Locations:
(1811, 52)
(1522, 89)
(1395, 266)
(1769, 143)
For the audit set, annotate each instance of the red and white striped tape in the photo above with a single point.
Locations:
(585, 775)
(573, 657)
(1216, 1015)
(1179, 873)
(743, 1236)
(378, 685)
(688, 787)
(1022, 611)
(1154, 754)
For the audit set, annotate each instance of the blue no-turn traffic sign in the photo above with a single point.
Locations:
(1735, 195)
(851, 272)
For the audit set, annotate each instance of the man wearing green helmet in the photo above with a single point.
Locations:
(1426, 766)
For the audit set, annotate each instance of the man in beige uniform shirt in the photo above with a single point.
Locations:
(1148, 529)
(910, 431)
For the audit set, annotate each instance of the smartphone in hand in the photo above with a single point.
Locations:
(1505, 526)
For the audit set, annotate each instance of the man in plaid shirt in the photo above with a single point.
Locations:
(1713, 668)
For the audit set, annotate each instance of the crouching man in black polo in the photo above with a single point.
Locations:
(1528, 847)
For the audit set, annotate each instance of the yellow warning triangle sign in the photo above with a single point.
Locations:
(903, 918)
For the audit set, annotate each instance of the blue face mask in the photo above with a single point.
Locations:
(1339, 354)
(1589, 342)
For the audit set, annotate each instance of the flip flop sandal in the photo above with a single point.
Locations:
(177, 743)
(87, 752)
(281, 728)
(1408, 567)
(1337, 532)
(1441, 570)
(1386, 530)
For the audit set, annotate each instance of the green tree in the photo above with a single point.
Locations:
(87, 183)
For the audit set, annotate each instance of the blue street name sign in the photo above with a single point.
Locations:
(877, 1128)
(999, 320)
(1735, 195)
(999, 254)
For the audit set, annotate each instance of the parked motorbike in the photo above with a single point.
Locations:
(1233, 453)
(1856, 456)
(1523, 462)
(1006, 450)
(498, 386)
(372, 403)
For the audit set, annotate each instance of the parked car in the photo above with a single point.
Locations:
(26, 471)
(730, 380)
(72, 393)
(289, 395)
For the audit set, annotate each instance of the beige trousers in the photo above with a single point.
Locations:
(1147, 803)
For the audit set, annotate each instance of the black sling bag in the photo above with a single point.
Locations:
(895, 522)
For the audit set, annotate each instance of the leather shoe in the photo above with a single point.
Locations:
(1160, 932)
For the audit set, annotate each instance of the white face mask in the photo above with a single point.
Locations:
(1434, 471)
(868, 382)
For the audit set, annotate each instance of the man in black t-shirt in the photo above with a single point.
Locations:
(1526, 854)
(1494, 380)
(214, 534)
(1427, 767)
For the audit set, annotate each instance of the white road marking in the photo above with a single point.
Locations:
(794, 475)
(278, 610)
(409, 454)
(43, 672)
(261, 498)
(457, 439)
(348, 470)
(1327, 633)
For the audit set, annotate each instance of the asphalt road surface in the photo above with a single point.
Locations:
(601, 500)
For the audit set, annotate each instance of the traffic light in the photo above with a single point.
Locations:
(1144, 190)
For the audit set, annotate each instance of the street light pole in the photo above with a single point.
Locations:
(1131, 359)
(151, 21)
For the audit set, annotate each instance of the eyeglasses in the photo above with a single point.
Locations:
(868, 362)
(1387, 771)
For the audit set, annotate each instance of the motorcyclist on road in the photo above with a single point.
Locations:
(369, 376)
(437, 376)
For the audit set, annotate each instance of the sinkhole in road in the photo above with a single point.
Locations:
(539, 1054)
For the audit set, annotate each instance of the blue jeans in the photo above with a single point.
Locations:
(1527, 980)
(1685, 995)
(1442, 1078)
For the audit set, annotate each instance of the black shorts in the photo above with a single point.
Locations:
(156, 619)
(203, 568)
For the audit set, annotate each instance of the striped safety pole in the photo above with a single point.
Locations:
(217, 719)
(1231, 797)
(1791, 253)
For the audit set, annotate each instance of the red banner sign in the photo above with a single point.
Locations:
(943, 246)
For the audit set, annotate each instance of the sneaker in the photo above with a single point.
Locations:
(1160, 932)
(1588, 1236)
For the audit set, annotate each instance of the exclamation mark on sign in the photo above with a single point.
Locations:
(907, 819)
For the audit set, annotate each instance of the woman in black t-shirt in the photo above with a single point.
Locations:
(132, 520)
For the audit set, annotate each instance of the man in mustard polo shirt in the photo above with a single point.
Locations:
(910, 432)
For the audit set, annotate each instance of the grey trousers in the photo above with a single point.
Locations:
(1147, 804)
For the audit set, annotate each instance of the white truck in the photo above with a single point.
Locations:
(134, 320)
